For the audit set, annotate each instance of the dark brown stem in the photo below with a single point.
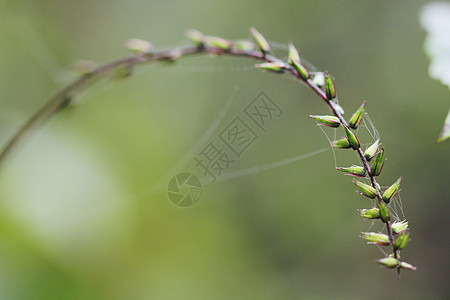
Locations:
(65, 96)
(361, 155)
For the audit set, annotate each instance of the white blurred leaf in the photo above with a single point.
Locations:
(435, 19)
(445, 133)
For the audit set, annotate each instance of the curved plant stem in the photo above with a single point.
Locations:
(65, 96)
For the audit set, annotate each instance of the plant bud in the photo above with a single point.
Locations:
(401, 242)
(294, 61)
(342, 144)
(377, 164)
(330, 90)
(301, 70)
(293, 54)
(352, 139)
(398, 227)
(389, 262)
(196, 37)
(391, 191)
(405, 265)
(244, 45)
(274, 67)
(330, 121)
(384, 213)
(357, 117)
(260, 41)
(354, 170)
(371, 150)
(370, 213)
(375, 238)
(139, 46)
(215, 41)
(366, 190)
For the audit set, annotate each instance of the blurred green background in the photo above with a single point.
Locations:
(83, 208)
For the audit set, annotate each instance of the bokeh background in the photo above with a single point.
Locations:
(84, 212)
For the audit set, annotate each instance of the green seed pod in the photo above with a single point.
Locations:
(398, 227)
(274, 67)
(405, 265)
(293, 54)
(401, 242)
(301, 70)
(376, 238)
(244, 45)
(357, 117)
(392, 191)
(366, 190)
(389, 262)
(370, 213)
(354, 170)
(384, 213)
(352, 139)
(330, 90)
(377, 164)
(371, 150)
(196, 37)
(215, 41)
(330, 121)
(341, 144)
(139, 46)
(294, 61)
(260, 41)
